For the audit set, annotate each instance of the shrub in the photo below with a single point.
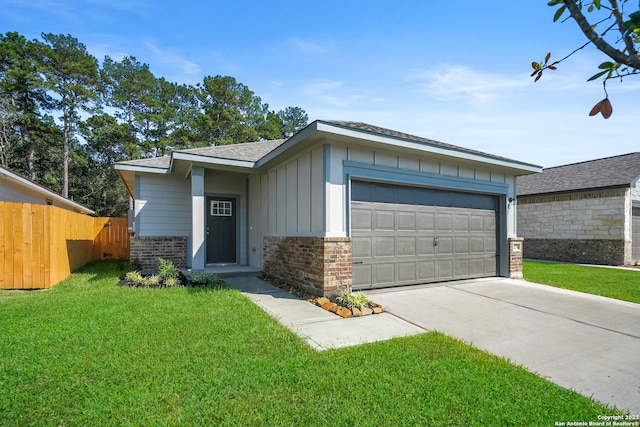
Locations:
(153, 280)
(352, 300)
(135, 278)
(125, 266)
(171, 282)
(166, 270)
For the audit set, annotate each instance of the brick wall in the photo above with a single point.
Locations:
(592, 251)
(147, 250)
(515, 257)
(319, 265)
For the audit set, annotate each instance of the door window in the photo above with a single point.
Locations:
(221, 208)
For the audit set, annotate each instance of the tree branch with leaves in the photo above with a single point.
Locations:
(618, 40)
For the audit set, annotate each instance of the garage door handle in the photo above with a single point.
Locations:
(358, 262)
(435, 241)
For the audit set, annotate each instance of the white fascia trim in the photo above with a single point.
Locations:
(45, 192)
(212, 160)
(149, 169)
(313, 127)
(421, 146)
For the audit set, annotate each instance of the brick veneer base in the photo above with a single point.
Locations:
(147, 250)
(588, 251)
(515, 257)
(319, 265)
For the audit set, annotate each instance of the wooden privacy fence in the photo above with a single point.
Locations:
(41, 245)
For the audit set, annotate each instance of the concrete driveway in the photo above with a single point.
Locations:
(583, 342)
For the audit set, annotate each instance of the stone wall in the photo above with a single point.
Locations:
(319, 265)
(147, 250)
(592, 251)
(581, 215)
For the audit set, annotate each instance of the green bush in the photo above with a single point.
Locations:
(125, 266)
(352, 300)
(168, 272)
(135, 278)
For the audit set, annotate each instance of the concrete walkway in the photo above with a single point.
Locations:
(321, 329)
(583, 342)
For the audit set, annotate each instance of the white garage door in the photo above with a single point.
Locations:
(406, 235)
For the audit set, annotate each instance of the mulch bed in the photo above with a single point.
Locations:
(332, 303)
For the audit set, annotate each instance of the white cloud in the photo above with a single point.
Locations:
(333, 93)
(184, 70)
(460, 83)
(311, 47)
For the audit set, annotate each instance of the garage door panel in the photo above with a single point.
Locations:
(476, 245)
(490, 223)
(406, 221)
(397, 243)
(476, 223)
(461, 245)
(425, 221)
(384, 220)
(445, 245)
(425, 246)
(444, 269)
(490, 245)
(427, 271)
(461, 222)
(361, 247)
(361, 218)
(362, 275)
(406, 271)
(443, 222)
(461, 267)
(383, 246)
(385, 273)
(406, 246)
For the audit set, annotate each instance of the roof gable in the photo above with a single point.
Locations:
(609, 172)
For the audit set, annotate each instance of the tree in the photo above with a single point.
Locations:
(23, 93)
(229, 110)
(98, 185)
(620, 29)
(72, 74)
(128, 85)
(293, 119)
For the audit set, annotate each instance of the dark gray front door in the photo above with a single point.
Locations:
(221, 230)
(404, 235)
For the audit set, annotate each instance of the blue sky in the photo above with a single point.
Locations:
(454, 71)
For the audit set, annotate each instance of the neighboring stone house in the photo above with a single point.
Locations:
(337, 204)
(586, 212)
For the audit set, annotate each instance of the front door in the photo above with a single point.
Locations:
(221, 230)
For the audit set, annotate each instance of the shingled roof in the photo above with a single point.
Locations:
(401, 135)
(250, 151)
(610, 172)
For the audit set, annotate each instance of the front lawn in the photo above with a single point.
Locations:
(89, 352)
(607, 282)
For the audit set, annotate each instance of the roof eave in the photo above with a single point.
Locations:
(138, 168)
(47, 193)
(575, 190)
(198, 158)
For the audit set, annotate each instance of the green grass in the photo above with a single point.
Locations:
(608, 282)
(89, 352)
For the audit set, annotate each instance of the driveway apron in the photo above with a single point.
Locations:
(579, 341)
